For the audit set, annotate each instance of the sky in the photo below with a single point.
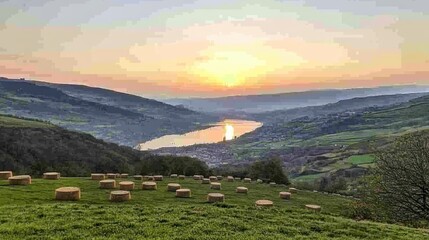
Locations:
(166, 49)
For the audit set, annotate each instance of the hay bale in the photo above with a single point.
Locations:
(111, 175)
(247, 180)
(173, 176)
(241, 190)
(264, 203)
(293, 190)
(216, 186)
(183, 193)
(51, 175)
(230, 179)
(237, 179)
(148, 178)
(20, 180)
(158, 177)
(182, 177)
(259, 181)
(172, 187)
(124, 175)
(273, 184)
(285, 195)
(98, 176)
(219, 178)
(118, 175)
(107, 184)
(215, 197)
(126, 185)
(5, 175)
(67, 193)
(197, 177)
(213, 178)
(313, 207)
(120, 196)
(205, 181)
(149, 185)
(138, 177)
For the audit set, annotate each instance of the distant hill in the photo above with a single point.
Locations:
(116, 117)
(340, 106)
(33, 147)
(282, 101)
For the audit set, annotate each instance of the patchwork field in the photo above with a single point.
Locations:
(30, 212)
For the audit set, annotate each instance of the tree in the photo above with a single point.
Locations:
(269, 170)
(401, 178)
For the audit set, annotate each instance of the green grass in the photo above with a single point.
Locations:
(29, 212)
(6, 121)
(361, 159)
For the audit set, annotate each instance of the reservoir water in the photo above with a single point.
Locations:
(221, 131)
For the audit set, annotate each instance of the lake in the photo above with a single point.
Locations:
(226, 130)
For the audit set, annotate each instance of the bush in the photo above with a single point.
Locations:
(269, 171)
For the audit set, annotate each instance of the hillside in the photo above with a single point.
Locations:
(271, 102)
(30, 212)
(33, 147)
(334, 143)
(109, 115)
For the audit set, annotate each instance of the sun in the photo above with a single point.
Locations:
(228, 68)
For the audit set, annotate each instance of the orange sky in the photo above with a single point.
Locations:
(183, 48)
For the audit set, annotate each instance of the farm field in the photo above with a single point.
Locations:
(30, 212)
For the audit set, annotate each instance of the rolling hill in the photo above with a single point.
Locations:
(116, 117)
(271, 102)
(32, 147)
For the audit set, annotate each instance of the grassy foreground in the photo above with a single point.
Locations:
(29, 212)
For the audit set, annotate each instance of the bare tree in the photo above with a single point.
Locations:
(402, 173)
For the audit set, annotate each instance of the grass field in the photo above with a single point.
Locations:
(29, 212)
(361, 159)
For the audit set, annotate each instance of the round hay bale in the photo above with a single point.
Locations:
(124, 175)
(313, 207)
(237, 179)
(219, 178)
(158, 177)
(149, 185)
(216, 186)
(98, 176)
(107, 184)
(20, 180)
(5, 175)
(230, 179)
(138, 177)
(197, 177)
(213, 178)
(120, 196)
(285, 195)
(264, 203)
(273, 184)
(51, 175)
(259, 181)
(147, 178)
(215, 197)
(247, 180)
(241, 190)
(182, 177)
(118, 175)
(172, 187)
(205, 181)
(126, 185)
(67, 193)
(183, 193)
(111, 175)
(173, 176)
(293, 190)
